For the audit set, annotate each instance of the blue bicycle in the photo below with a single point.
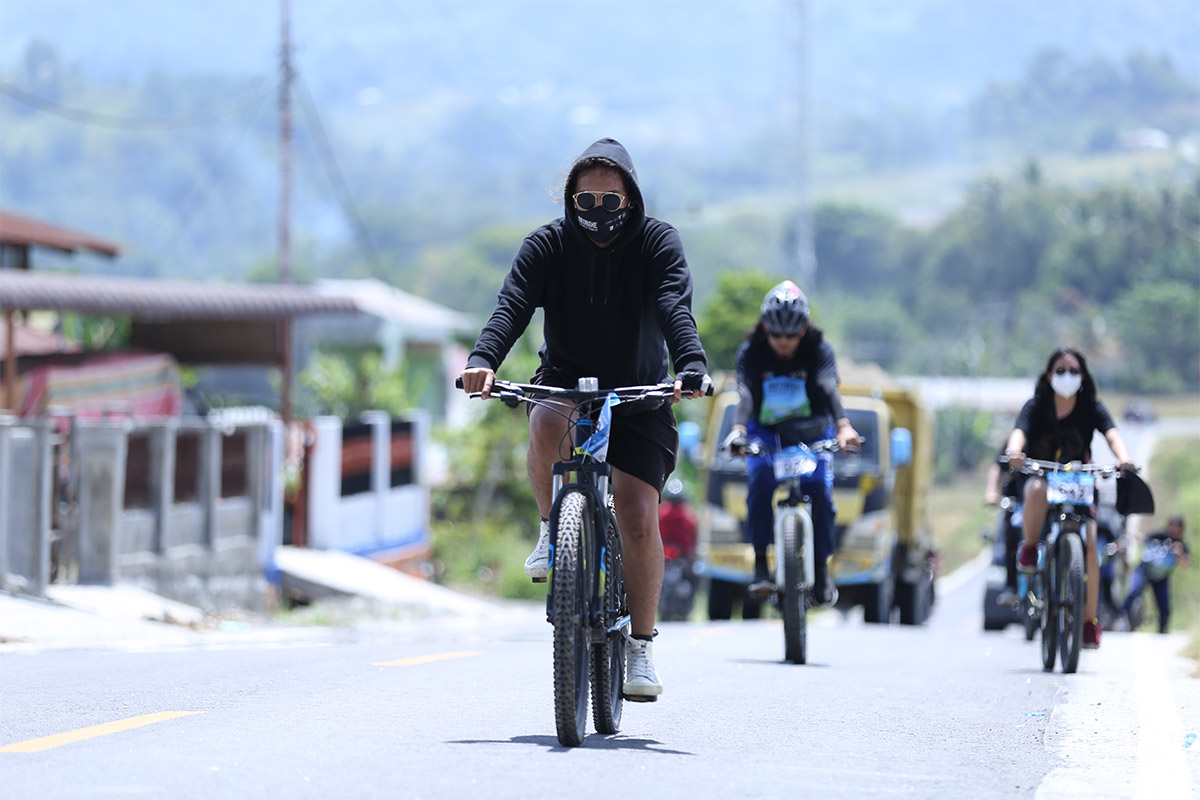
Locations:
(586, 601)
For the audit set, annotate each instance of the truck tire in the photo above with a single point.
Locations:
(720, 598)
(877, 601)
(915, 600)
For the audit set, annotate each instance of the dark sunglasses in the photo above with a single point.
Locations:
(1061, 370)
(777, 335)
(585, 201)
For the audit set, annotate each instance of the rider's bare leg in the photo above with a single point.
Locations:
(547, 430)
(637, 515)
(1033, 510)
(1092, 559)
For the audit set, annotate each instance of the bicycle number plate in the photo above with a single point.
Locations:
(1075, 488)
(794, 462)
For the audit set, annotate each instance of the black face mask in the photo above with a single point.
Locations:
(600, 224)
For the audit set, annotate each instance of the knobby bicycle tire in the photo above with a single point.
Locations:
(1071, 586)
(791, 594)
(569, 587)
(608, 657)
(1049, 618)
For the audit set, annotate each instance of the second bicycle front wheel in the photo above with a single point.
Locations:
(1070, 583)
(569, 591)
(791, 594)
(1049, 615)
(608, 657)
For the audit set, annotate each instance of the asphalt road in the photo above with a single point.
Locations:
(462, 708)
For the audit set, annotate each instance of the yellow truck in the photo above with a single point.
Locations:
(884, 558)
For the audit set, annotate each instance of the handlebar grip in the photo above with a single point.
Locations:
(458, 382)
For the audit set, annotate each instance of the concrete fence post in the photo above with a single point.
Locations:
(163, 449)
(103, 448)
(40, 573)
(6, 473)
(210, 480)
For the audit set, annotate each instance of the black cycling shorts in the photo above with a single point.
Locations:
(643, 445)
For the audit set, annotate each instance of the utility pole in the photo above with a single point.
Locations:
(284, 327)
(285, 150)
(805, 255)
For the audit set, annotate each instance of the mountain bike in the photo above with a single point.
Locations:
(585, 601)
(1056, 591)
(793, 555)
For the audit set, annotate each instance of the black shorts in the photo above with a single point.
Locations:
(643, 444)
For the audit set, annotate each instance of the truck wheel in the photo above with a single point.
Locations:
(720, 599)
(915, 600)
(877, 601)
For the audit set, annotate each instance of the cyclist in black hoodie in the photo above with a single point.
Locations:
(617, 295)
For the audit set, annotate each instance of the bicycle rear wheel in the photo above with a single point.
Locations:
(1049, 615)
(569, 588)
(791, 594)
(608, 657)
(1070, 571)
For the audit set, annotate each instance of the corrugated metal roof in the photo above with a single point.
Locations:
(146, 299)
(24, 232)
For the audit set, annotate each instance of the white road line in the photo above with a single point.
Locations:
(1161, 769)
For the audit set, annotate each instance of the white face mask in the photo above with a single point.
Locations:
(1066, 385)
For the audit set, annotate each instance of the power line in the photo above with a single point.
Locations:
(335, 177)
(141, 123)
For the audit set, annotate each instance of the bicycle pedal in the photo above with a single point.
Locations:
(538, 580)
(641, 698)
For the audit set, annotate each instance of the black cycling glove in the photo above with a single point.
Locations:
(696, 382)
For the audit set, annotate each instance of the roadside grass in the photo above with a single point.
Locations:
(959, 519)
(485, 558)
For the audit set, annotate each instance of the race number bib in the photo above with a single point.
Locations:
(784, 397)
(1076, 488)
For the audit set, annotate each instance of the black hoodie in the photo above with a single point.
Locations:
(611, 313)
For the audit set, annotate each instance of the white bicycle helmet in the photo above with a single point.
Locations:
(785, 310)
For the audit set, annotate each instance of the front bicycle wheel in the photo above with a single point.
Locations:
(1070, 610)
(608, 657)
(1049, 611)
(791, 594)
(569, 589)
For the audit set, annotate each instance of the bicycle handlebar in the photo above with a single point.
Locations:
(1033, 466)
(512, 393)
(757, 449)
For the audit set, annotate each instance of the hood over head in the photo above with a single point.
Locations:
(606, 153)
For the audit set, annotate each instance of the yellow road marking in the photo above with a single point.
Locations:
(410, 662)
(59, 739)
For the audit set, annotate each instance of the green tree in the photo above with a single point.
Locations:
(729, 315)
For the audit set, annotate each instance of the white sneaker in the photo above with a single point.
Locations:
(640, 678)
(538, 563)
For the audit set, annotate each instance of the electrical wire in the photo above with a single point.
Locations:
(140, 123)
(336, 178)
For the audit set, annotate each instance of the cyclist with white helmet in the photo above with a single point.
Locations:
(787, 378)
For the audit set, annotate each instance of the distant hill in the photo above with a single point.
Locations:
(422, 121)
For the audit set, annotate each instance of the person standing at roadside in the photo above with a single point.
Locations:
(1161, 553)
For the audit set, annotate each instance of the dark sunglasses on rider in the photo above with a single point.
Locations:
(586, 201)
(1061, 370)
(778, 335)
